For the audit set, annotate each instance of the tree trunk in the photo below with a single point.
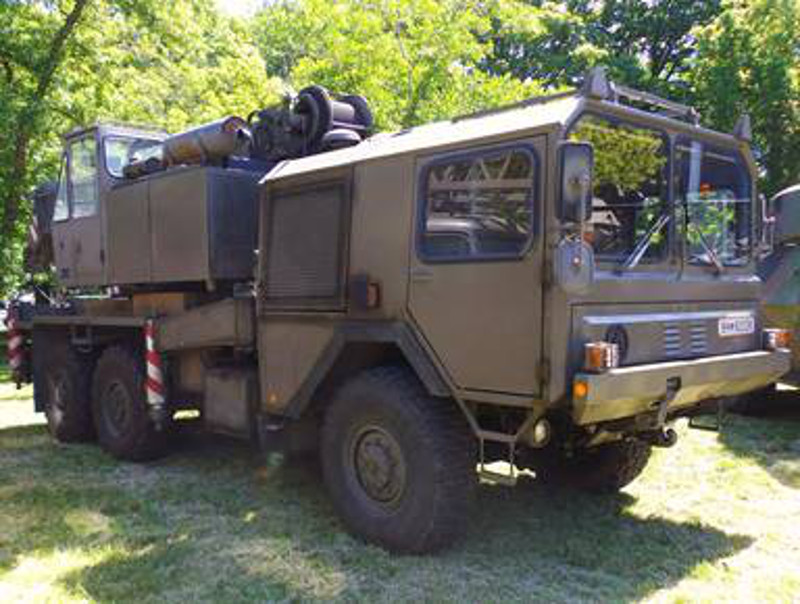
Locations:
(25, 126)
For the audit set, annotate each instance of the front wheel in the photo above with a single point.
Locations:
(398, 463)
(119, 405)
(603, 469)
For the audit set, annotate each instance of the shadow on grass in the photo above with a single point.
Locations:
(215, 522)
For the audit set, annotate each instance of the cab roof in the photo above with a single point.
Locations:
(553, 112)
(550, 112)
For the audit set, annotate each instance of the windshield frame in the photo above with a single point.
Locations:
(666, 257)
(676, 259)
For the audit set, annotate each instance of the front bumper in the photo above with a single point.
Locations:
(631, 391)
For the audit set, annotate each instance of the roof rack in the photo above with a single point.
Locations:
(597, 85)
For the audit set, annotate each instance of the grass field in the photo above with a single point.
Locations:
(715, 518)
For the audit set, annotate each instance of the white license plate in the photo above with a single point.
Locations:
(736, 326)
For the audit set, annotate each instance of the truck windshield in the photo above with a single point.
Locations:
(713, 186)
(121, 151)
(630, 210)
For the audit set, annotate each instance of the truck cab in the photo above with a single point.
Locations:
(90, 167)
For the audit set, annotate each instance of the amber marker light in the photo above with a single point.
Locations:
(600, 356)
(580, 389)
(777, 338)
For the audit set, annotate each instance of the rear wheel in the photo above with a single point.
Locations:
(398, 463)
(65, 381)
(603, 469)
(119, 405)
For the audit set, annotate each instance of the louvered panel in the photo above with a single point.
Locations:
(673, 346)
(305, 248)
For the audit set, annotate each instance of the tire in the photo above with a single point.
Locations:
(606, 468)
(119, 406)
(399, 464)
(64, 382)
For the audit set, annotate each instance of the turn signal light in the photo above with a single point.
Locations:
(600, 356)
(777, 338)
(580, 390)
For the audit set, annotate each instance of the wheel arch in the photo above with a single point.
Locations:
(358, 347)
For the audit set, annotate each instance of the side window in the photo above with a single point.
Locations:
(61, 209)
(83, 173)
(478, 205)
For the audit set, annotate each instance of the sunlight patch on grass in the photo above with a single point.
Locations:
(41, 577)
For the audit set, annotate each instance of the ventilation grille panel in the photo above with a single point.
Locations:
(306, 247)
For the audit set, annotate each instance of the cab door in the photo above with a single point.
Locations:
(475, 288)
(77, 233)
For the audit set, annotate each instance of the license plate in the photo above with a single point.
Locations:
(736, 326)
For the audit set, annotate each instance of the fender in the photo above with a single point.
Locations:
(392, 335)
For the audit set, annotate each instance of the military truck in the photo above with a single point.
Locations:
(548, 285)
(781, 290)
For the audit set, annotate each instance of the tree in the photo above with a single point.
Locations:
(645, 43)
(749, 61)
(30, 63)
(415, 60)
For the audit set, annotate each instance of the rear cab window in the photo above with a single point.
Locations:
(478, 205)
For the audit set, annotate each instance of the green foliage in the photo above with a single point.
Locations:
(625, 157)
(415, 60)
(749, 61)
(647, 44)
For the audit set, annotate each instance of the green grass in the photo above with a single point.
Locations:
(715, 518)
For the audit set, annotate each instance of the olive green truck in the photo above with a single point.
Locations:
(549, 285)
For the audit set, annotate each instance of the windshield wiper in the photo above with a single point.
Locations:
(641, 248)
(709, 250)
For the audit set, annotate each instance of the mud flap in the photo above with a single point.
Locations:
(709, 416)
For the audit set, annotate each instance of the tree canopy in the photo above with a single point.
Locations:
(65, 63)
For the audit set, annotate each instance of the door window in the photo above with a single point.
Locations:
(61, 209)
(478, 206)
(83, 173)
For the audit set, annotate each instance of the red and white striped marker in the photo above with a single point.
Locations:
(155, 374)
(16, 349)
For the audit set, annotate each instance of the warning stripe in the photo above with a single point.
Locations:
(15, 345)
(154, 384)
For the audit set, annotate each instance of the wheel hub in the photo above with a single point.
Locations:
(379, 465)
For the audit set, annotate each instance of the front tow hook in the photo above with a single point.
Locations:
(659, 438)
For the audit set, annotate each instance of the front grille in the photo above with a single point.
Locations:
(698, 338)
(685, 339)
(673, 346)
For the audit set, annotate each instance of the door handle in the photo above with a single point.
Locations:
(421, 273)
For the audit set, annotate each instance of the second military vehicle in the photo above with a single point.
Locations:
(548, 285)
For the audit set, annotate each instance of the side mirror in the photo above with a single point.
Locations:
(576, 161)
